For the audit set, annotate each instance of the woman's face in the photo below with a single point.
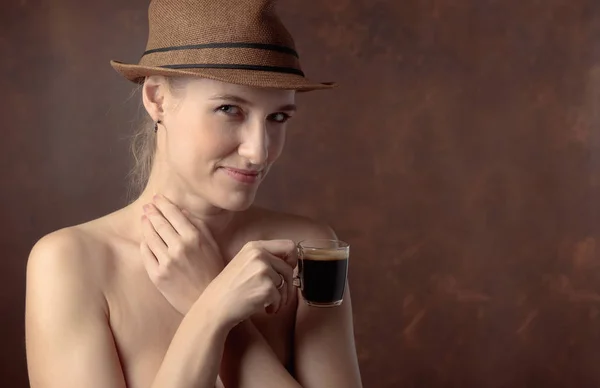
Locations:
(219, 140)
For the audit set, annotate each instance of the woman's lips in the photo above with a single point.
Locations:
(243, 176)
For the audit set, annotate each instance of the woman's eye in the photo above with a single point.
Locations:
(230, 110)
(280, 117)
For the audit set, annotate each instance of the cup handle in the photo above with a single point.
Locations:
(296, 281)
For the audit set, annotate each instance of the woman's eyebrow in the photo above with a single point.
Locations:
(232, 98)
(288, 108)
(240, 100)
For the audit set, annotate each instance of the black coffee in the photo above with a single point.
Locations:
(323, 278)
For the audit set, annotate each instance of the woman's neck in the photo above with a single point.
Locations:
(215, 218)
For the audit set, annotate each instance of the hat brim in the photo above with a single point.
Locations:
(261, 79)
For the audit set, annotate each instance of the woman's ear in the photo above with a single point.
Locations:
(153, 96)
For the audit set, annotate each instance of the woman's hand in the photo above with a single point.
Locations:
(259, 277)
(179, 253)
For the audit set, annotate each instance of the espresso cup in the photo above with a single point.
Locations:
(322, 271)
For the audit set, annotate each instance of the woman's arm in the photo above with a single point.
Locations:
(324, 348)
(249, 361)
(194, 355)
(244, 287)
(325, 354)
(68, 339)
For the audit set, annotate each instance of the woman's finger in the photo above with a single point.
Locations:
(280, 285)
(273, 302)
(162, 226)
(174, 215)
(292, 257)
(154, 242)
(279, 248)
(282, 268)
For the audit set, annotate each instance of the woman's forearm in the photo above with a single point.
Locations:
(194, 355)
(249, 361)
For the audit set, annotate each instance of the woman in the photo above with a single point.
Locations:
(171, 290)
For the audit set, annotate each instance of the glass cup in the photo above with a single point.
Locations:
(322, 271)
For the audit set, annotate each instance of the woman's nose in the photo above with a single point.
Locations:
(254, 146)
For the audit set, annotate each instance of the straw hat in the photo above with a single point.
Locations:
(236, 41)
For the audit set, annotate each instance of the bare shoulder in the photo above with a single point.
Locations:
(67, 335)
(78, 251)
(275, 225)
(61, 275)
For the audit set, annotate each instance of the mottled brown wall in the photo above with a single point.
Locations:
(460, 158)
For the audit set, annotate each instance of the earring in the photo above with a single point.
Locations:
(156, 125)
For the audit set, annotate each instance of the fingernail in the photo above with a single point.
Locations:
(147, 207)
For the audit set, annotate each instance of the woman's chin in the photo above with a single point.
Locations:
(236, 202)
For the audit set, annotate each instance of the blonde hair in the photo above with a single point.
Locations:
(143, 143)
(143, 149)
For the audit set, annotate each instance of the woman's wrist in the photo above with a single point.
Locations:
(213, 313)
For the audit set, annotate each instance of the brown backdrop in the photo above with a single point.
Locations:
(460, 158)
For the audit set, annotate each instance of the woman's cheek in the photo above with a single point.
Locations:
(276, 143)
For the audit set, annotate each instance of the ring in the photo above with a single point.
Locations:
(280, 286)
